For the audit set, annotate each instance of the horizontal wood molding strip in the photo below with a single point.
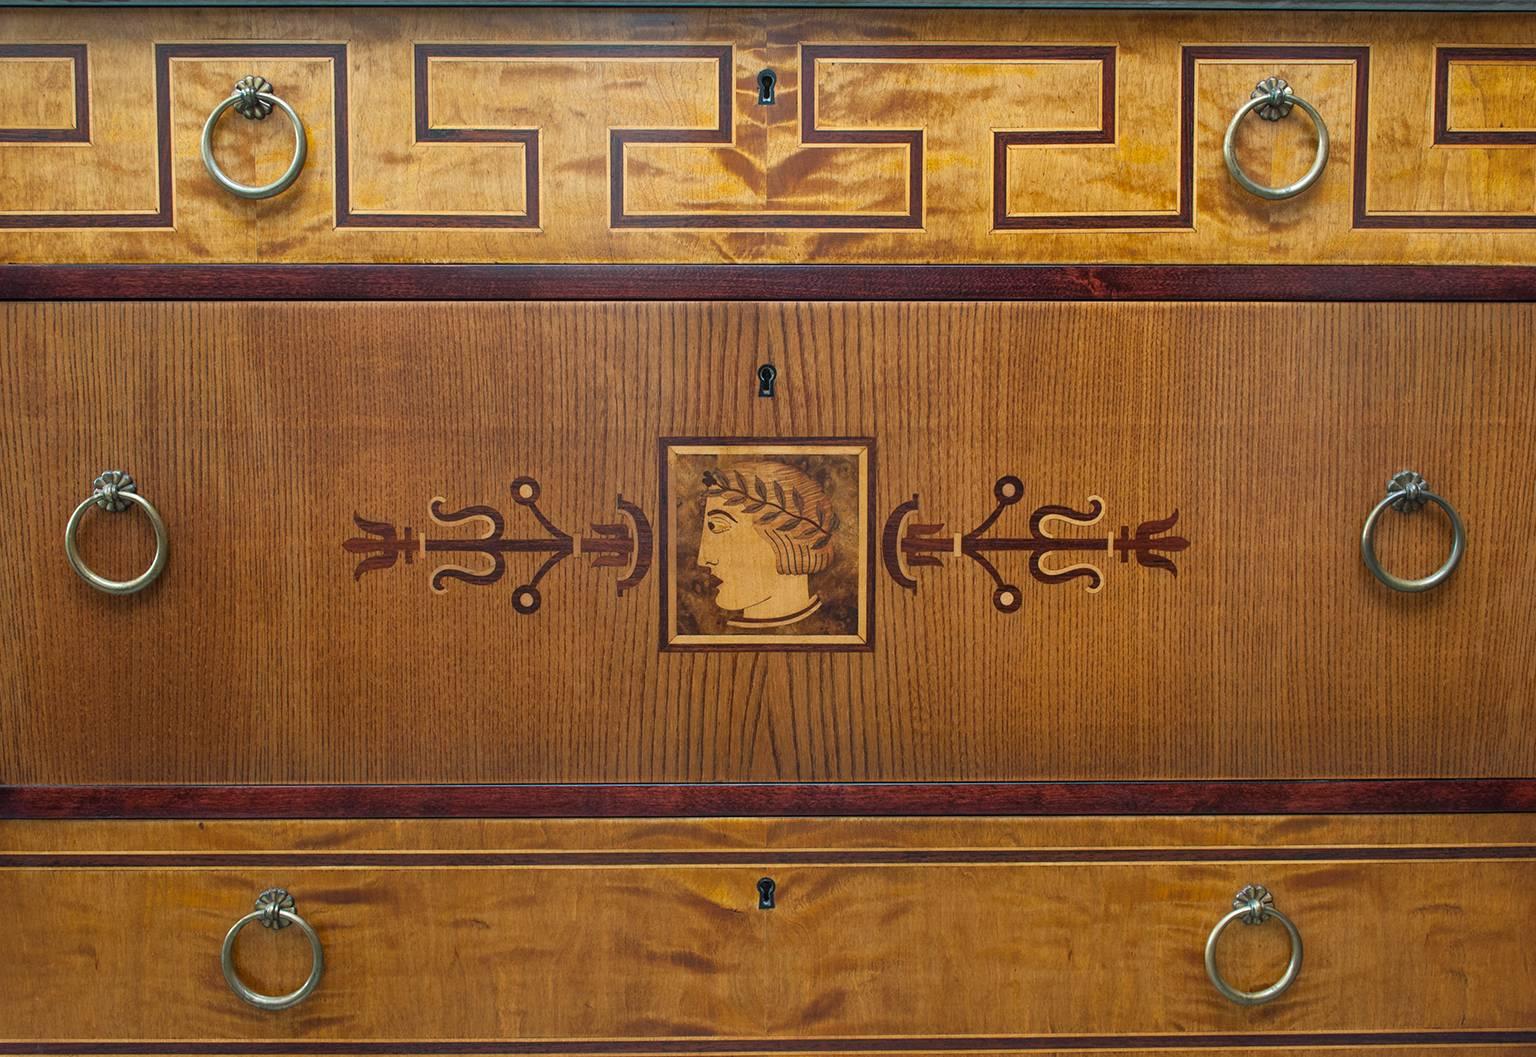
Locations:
(1462, 6)
(1344, 796)
(968, 1043)
(769, 282)
(765, 857)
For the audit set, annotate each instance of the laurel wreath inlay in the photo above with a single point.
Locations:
(769, 505)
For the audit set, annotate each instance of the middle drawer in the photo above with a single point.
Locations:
(571, 543)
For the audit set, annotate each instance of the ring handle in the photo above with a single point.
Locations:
(253, 99)
(275, 910)
(1407, 493)
(1254, 905)
(114, 492)
(1273, 99)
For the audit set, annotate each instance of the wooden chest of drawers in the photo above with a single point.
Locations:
(739, 531)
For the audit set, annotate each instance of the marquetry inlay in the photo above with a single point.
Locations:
(1483, 96)
(43, 94)
(617, 136)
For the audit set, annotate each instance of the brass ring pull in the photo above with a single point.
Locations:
(1254, 905)
(1273, 100)
(275, 910)
(114, 492)
(253, 99)
(1407, 493)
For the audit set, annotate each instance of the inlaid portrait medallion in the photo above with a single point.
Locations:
(766, 543)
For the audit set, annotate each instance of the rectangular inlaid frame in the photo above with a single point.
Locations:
(1444, 135)
(859, 449)
(80, 130)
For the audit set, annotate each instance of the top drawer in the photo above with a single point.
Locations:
(593, 136)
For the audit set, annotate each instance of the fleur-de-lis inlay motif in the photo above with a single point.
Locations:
(623, 544)
(908, 545)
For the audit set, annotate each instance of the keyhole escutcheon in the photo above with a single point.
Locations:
(765, 891)
(767, 83)
(767, 375)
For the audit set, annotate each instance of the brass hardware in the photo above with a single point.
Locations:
(252, 98)
(274, 910)
(1253, 906)
(114, 491)
(1272, 99)
(1407, 493)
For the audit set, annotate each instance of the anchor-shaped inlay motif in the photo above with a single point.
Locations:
(624, 544)
(907, 545)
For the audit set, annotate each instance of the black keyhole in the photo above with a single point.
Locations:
(765, 890)
(767, 81)
(767, 375)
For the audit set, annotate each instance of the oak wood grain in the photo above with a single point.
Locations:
(261, 429)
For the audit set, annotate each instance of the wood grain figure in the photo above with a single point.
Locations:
(592, 136)
(261, 430)
(593, 697)
(428, 945)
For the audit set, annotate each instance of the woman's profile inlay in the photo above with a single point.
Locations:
(768, 528)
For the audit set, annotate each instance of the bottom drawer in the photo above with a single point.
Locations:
(653, 936)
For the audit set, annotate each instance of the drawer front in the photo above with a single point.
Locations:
(360, 587)
(1118, 949)
(409, 954)
(983, 136)
(1012, 935)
